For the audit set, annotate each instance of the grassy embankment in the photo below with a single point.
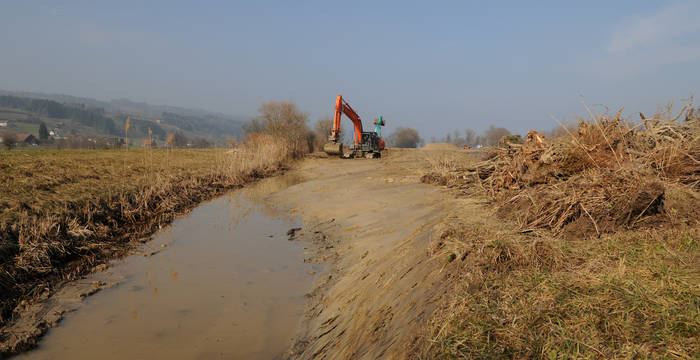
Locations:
(63, 212)
(605, 262)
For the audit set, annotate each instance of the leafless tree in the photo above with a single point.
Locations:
(457, 139)
(405, 138)
(322, 130)
(470, 137)
(180, 140)
(493, 134)
(283, 120)
(8, 140)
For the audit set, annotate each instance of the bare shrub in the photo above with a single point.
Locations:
(179, 140)
(201, 143)
(405, 138)
(283, 120)
(494, 134)
(8, 140)
(322, 130)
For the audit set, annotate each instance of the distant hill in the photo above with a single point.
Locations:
(71, 115)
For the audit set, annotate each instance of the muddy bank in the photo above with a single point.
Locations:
(63, 213)
(374, 226)
(223, 282)
(32, 295)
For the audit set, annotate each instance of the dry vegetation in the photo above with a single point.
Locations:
(628, 295)
(63, 212)
(404, 137)
(610, 173)
(605, 265)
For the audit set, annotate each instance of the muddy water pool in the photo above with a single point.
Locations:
(222, 282)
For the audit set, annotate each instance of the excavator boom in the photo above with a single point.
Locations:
(342, 107)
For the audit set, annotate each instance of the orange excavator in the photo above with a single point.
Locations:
(365, 143)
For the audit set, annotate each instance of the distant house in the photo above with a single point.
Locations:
(149, 143)
(3, 123)
(26, 139)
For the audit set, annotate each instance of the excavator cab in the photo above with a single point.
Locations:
(369, 146)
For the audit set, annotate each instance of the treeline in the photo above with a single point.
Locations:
(203, 124)
(470, 138)
(92, 117)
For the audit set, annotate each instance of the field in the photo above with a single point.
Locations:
(64, 212)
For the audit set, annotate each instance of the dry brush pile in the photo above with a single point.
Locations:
(58, 226)
(605, 264)
(609, 173)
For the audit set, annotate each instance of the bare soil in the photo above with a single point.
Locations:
(374, 226)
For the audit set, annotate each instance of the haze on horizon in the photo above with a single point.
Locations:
(436, 67)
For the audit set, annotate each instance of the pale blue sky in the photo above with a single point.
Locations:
(433, 65)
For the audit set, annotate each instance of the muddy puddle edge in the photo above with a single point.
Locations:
(32, 318)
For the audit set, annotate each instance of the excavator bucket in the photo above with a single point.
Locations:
(333, 148)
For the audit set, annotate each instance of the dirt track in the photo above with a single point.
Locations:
(372, 222)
